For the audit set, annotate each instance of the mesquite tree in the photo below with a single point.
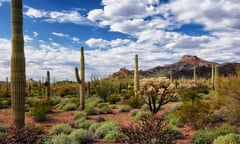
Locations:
(18, 75)
(157, 92)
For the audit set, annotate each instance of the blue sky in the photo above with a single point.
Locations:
(113, 31)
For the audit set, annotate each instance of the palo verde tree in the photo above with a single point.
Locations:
(18, 75)
(81, 78)
(157, 92)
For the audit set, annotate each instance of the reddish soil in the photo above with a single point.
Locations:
(60, 116)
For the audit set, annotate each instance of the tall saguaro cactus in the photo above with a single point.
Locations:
(18, 74)
(47, 84)
(136, 76)
(81, 79)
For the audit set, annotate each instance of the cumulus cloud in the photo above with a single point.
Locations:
(2, 1)
(64, 16)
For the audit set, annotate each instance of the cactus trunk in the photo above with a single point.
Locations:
(136, 76)
(48, 85)
(194, 74)
(81, 79)
(18, 75)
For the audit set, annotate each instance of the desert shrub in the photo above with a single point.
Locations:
(133, 112)
(25, 135)
(3, 132)
(225, 129)
(61, 129)
(91, 110)
(139, 115)
(106, 127)
(149, 129)
(145, 107)
(69, 106)
(177, 134)
(81, 136)
(134, 102)
(40, 110)
(173, 120)
(228, 139)
(55, 100)
(6, 102)
(82, 123)
(124, 108)
(104, 108)
(203, 137)
(113, 98)
(79, 115)
(228, 95)
(58, 139)
(112, 136)
(93, 127)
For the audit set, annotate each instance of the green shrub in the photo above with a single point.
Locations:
(145, 107)
(40, 110)
(173, 120)
(69, 106)
(225, 129)
(230, 138)
(112, 136)
(82, 123)
(58, 139)
(113, 98)
(177, 134)
(104, 108)
(3, 131)
(105, 128)
(133, 112)
(139, 115)
(91, 111)
(79, 115)
(94, 127)
(203, 137)
(81, 136)
(124, 108)
(135, 102)
(61, 129)
(55, 100)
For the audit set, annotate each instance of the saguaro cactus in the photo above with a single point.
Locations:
(81, 79)
(47, 84)
(136, 76)
(7, 86)
(171, 75)
(18, 74)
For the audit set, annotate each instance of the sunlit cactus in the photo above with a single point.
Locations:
(136, 76)
(81, 79)
(18, 74)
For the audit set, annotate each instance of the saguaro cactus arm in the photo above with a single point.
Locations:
(77, 75)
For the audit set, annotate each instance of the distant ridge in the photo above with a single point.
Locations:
(182, 68)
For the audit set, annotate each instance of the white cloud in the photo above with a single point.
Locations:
(70, 16)
(27, 38)
(35, 34)
(35, 13)
(2, 1)
(60, 34)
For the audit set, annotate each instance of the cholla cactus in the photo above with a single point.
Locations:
(157, 92)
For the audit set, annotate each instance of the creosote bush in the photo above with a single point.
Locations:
(40, 110)
(228, 139)
(81, 136)
(61, 129)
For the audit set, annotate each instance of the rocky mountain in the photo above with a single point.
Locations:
(183, 68)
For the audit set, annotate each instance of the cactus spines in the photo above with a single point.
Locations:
(136, 76)
(47, 84)
(18, 74)
(81, 79)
